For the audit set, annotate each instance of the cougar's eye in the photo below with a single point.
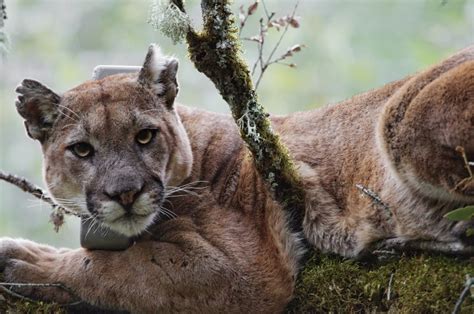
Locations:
(82, 150)
(145, 136)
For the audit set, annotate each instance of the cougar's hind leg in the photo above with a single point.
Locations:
(332, 229)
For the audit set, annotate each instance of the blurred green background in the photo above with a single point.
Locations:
(351, 47)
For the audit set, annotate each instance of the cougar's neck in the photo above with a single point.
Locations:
(216, 145)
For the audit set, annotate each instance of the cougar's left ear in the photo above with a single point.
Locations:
(38, 105)
(159, 74)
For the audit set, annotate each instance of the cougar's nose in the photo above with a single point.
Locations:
(124, 194)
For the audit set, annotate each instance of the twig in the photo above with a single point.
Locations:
(269, 15)
(401, 245)
(267, 63)
(375, 198)
(467, 164)
(467, 286)
(243, 16)
(389, 290)
(17, 295)
(261, 42)
(4, 285)
(27, 186)
(57, 215)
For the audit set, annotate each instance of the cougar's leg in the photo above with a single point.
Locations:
(334, 230)
(179, 271)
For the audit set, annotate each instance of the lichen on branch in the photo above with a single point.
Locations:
(170, 20)
(215, 51)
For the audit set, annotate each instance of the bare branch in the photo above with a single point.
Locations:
(244, 14)
(57, 215)
(467, 164)
(389, 290)
(269, 15)
(4, 285)
(268, 62)
(375, 198)
(27, 186)
(289, 53)
(461, 185)
(465, 292)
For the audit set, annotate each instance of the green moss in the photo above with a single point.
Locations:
(7, 305)
(420, 284)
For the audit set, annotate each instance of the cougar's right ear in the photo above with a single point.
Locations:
(159, 74)
(38, 105)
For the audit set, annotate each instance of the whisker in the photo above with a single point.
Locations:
(149, 110)
(71, 111)
(61, 112)
(68, 125)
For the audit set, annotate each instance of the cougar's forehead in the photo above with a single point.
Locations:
(113, 104)
(122, 88)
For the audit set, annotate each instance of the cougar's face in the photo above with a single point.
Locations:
(113, 148)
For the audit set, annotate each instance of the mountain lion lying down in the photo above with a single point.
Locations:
(118, 149)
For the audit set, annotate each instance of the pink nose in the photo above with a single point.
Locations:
(128, 198)
(125, 198)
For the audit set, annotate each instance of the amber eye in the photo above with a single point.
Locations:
(82, 150)
(145, 136)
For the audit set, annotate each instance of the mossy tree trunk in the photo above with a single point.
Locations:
(215, 51)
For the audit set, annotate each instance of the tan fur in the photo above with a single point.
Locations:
(230, 248)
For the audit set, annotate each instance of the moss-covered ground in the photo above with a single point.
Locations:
(420, 284)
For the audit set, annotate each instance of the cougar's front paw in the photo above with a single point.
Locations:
(23, 261)
(11, 250)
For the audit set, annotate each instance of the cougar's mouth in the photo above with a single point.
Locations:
(129, 222)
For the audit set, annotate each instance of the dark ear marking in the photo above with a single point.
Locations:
(37, 104)
(159, 73)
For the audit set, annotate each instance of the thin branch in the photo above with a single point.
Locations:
(290, 65)
(17, 295)
(402, 245)
(374, 196)
(283, 33)
(461, 185)
(57, 215)
(467, 164)
(389, 290)
(266, 64)
(465, 292)
(4, 285)
(261, 42)
(269, 15)
(34, 190)
(27, 187)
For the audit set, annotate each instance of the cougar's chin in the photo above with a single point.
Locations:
(132, 224)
